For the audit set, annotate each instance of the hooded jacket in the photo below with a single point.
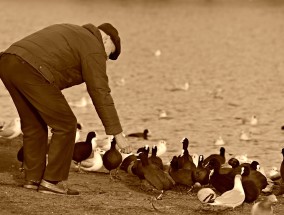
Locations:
(68, 55)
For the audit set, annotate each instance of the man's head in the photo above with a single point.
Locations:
(112, 34)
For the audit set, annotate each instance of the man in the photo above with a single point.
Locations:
(35, 70)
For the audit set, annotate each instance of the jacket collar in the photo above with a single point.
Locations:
(94, 30)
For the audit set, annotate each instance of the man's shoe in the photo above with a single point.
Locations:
(30, 184)
(59, 188)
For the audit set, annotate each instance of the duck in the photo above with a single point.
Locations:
(252, 192)
(143, 134)
(154, 175)
(93, 163)
(264, 207)
(129, 160)
(161, 147)
(220, 157)
(282, 165)
(221, 182)
(185, 157)
(136, 166)
(234, 197)
(257, 176)
(180, 175)
(112, 158)
(12, 130)
(154, 159)
(234, 162)
(185, 161)
(83, 149)
(201, 173)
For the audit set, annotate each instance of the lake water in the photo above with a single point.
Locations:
(229, 52)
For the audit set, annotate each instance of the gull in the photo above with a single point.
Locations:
(12, 130)
(162, 147)
(94, 163)
(264, 207)
(232, 198)
(158, 53)
(83, 102)
(120, 82)
(219, 141)
(183, 87)
(273, 173)
(245, 136)
(107, 143)
(163, 115)
(243, 158)
(254, 120)
(79, 128)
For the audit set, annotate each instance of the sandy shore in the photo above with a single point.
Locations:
(98, 194)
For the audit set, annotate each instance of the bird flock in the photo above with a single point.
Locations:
(234, 181)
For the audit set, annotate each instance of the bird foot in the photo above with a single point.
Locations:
(159, 197)
(189, 190)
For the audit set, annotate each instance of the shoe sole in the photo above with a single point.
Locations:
(53, 193)
(46, 191)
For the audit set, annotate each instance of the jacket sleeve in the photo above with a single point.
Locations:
(96, 79)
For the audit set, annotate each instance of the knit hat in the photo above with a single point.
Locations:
(113, 33)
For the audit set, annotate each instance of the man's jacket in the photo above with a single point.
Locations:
(68, 55)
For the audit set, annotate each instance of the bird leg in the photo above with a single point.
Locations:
(189, 190)
(22, 167)
(159, 197)
(79, 168)
(115, 176)
(152, 204)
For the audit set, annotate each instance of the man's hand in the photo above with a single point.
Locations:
(122, 143)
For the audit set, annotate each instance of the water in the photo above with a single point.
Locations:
(230, 53)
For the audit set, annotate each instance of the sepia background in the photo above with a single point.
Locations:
(210, 64)
(230, 53)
